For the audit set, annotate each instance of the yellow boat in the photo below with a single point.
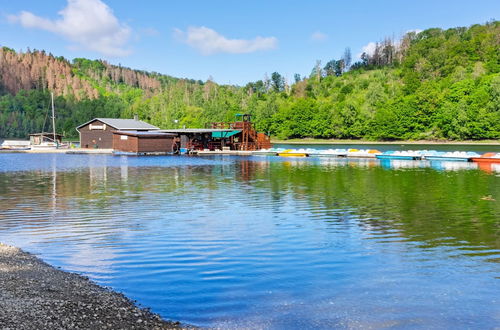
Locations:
(293, 153)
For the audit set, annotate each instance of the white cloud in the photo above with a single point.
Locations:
(369, 48)
(90, 24)
(209, 41)
(416, 31)
(319, 36)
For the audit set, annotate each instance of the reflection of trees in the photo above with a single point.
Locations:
(422, 205)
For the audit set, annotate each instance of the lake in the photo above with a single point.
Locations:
(267, 242)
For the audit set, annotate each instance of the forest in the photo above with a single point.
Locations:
(433, 85)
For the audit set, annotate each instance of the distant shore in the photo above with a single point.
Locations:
(35, 295)
(322, 141)
(61, 151)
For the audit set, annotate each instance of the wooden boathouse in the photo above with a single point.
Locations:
(98, 132)
(239, 135)
(136, 136)
(139, 143)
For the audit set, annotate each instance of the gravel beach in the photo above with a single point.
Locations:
(35, 295)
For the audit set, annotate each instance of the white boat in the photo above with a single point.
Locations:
(47, 140)
(328, 153)
(15, 145)
(266, 152)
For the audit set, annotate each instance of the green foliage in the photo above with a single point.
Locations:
(86, 65)
(440, 84)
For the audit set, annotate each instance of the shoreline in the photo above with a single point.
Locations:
(75, 151)
(417, 142)
(35, 295)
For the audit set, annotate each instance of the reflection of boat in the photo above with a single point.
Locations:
(488, 167)
(452, 165)
(402, 163)
(457, 156)
(363, 153)
(403, 155)
(293, 153)
(489, 157)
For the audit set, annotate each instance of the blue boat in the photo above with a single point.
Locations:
(455, 156)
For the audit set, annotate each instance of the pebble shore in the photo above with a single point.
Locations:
(35, 295)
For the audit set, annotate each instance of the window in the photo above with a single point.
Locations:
(97, 127)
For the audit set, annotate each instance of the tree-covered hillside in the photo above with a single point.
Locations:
(436, 84)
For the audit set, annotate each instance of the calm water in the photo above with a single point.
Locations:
(264, 242)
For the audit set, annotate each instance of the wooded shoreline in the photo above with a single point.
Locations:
(335, 141)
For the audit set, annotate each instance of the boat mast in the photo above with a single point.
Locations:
(53, 119)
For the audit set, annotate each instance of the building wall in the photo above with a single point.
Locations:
(156, 144)
(142, 143)
(131, 144)
(96, 138)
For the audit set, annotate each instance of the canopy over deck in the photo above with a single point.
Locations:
(196, 130)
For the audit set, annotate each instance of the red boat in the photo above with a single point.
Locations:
(489, 157)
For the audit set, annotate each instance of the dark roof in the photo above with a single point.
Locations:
(123, 124)
(148, 134)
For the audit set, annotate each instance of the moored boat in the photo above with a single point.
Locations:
(267, 152)
(15, 145)
(405, 155)
(293, 153)
(457, 156)
(329, 153)
(489, 157)
(363, 153)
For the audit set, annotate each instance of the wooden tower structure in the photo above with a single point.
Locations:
(248, 138)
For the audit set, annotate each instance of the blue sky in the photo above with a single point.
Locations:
(232, 41)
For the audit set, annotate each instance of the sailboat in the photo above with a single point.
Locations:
(47, 140)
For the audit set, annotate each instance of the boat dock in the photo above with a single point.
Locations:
(62, 151)
(223, 152)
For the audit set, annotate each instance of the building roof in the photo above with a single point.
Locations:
(45, 134)
(123, 124)
(148, 134)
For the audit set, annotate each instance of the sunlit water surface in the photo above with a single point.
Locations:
(264, 242)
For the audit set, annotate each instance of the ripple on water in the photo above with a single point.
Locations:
(266, 243)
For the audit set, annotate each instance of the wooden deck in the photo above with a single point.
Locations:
(224, 152)
(62, 151)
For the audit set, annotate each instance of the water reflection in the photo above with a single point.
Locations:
(402, 163)
(489, 167)
(261, 241)
(453, 166)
